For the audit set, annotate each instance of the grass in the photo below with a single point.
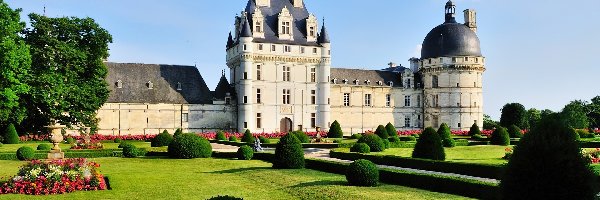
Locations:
(109, 145)
(155, 178)
(486, 154)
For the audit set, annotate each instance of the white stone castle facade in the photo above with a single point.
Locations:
(279, 61)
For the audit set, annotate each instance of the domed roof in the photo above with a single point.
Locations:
(450, 39)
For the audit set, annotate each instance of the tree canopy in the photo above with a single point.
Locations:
(575, 114)
(513, 114)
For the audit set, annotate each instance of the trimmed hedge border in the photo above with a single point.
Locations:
(477, 170)
(304, 145)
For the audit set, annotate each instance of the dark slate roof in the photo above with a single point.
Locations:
(450, 39)
(373, 75)
(323, 37)
(246, 32)
(223, 88)
(134, 78)
(271, 13)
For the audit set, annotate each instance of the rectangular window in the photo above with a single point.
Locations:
(245, 99)
(302, 50)
(367, 99)
(285, 27)
(407, 122)
(313, 97)
(245, 75)
(313, 120)
(286, 73)
(260, 47)
(227, 100)
(314, 50)
(273, 48)
(286, 96)
(388, 100)
(418, 100)
(435, 100)
(287, 49)
(258, 72)
(312, 31)
(346, 99)
(257, 95)
(313, 74)
(434, 81)
(245, 124)
(258, 120)
(245, 48)
(184, 117)
(407, 101)
(459, 125)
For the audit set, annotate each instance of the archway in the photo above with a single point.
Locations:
(286, 125)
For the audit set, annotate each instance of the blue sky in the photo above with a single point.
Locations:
(540, 53)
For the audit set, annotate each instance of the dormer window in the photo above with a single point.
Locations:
(150, 85)
(179, 86)
(119, 84)
(259, 20)
(368, 82)
(356, 82)
(285, 25)
(311, 28)
(380, 83)
(391, 83)
(285, 28)
(335, 81)
(345, 81)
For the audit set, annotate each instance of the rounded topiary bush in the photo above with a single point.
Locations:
(500, 137)
(25, 153)
(245, 153)
(362, 173)
(429, 146)
(391, 130)
(381, 132)
(247, 137)
(117, 140)
(514, 132)
(375, 142)
(386, 143)
(335, 131)
(10, 135)
(394, 139)
(44, 147)
(264, 140)
(356, 136)
(474, 130)
(448, 142)
(129, 150)
(547, 164)
(360, 148)
(233, 138)
(301, 136)
(162, 139)
(187, 146)
(220, 135)
(289, 153)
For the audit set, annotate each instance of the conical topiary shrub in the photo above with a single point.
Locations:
(429, 146)
(220, 135)
(446, 135)
(381, 132)
(500, 137)
(547, 164)
(247, 137)
(177, 132)
(391, 130)
(288, 153)
(474, 130)
(514, 132)
(335, 131)
(10, 135)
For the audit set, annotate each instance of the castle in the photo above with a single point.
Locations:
(282, 80)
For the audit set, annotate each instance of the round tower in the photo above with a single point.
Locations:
(452, 67)
(324, 85)
(245, 113)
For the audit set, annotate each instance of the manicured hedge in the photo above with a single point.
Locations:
(470, 169)
(305, 145)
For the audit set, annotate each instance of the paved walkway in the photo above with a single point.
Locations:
(323, 154)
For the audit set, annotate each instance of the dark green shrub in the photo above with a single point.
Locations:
(362, 173)
(226, 197)
(187, 145)
(10, 135)
(356, 136)
(162, 139)
(444, 131)
(429, 146)
(408, 139)
(584, 133)
(381, 132)
(232, 138)
(448, 142)
(301, 136)
(375, 143)
(415, 135)
(500, 137)
(70, 140)
(335, 131)
(360, 148)
(514, 132)
(391, 130)
(577, 136)
(245, 153)
(44, 147)
(289, 153)
(547, 164)
(129, 150)
(177, 132)
(117, 140)
(394, 138)
(221, 135)
(474, 130)
(264, 140)
(386, 143)
(247, 137)
(338, 141)
(25, 153)
(123, 143)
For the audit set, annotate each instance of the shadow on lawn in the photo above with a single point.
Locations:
(320, 183)
(230, 171)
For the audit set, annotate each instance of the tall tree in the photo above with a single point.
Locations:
(594, 112)
(15, 62)
(513, 114)
(575, 114)
(69, 74)
(533, 117)
(488, 122)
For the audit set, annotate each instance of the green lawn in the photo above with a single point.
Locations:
(154, 178)
(108, 145)
(487, 154)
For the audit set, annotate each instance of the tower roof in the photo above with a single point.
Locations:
(323, 37)
(223, 88)
(246, 31)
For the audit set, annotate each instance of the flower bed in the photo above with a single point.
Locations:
(55, 177)
(454, 132)
(592, 156)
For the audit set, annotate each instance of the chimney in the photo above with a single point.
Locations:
(298, 3)
(414, 64)
(471, 19)
(263, 3)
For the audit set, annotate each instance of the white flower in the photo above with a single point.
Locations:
(87, 173)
